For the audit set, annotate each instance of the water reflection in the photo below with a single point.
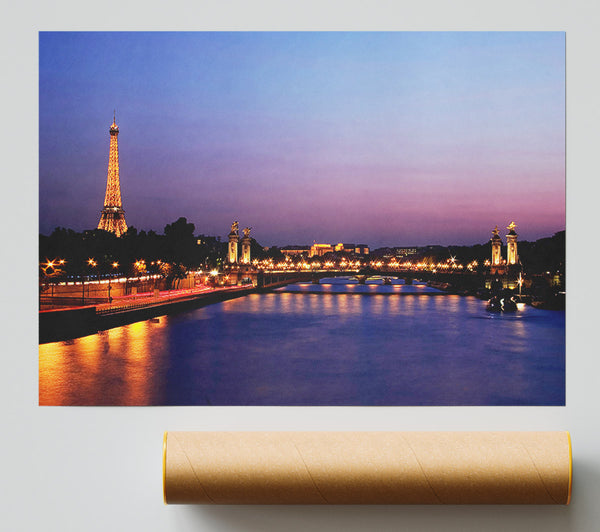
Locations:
(124, 365)
(327, 349)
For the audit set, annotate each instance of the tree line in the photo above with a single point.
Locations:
(67, 253)
(179, 249)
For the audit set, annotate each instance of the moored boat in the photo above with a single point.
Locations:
(501, 304)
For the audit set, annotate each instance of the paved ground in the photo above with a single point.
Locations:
(150, 298)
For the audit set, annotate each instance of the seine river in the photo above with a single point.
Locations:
(311, 345)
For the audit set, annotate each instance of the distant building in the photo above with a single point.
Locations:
(295, 251)
(319, 250)
(404, 252)
(345, 248)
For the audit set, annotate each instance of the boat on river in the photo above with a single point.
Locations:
(501, 304)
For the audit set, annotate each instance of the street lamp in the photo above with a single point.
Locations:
(91, 263)
(139, 267)
(214, 274)
(114, 265)
(520, 282)
(51, 270)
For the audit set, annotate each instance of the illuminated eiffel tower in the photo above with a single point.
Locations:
(113, 216)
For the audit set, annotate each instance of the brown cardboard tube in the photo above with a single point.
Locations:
(367, 467)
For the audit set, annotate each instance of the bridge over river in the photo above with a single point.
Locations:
(459, 278)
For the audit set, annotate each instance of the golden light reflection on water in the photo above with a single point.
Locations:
(473, 304)
(139, 357)
(519, 329)
(377, 305)
(286, 302)
(53, 374)
(454, 302)
(347, 304)
(328, 305)
(92, 347)
(253, 301)
(394, 304)
(411, 303)
(117, 366)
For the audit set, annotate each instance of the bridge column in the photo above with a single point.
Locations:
(246, 246)
(511, 245)
(496, 248)
(232, 255)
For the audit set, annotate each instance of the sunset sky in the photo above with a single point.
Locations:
(377, 138)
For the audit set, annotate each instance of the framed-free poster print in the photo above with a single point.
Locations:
(302, 218)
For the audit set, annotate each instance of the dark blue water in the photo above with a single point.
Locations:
(317, 349)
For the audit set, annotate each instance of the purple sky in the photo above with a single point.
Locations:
(377, 138)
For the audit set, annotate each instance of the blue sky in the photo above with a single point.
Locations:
(382, 138)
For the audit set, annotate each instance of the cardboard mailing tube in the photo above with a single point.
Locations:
(367, 467)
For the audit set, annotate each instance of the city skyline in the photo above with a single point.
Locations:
(387, 139)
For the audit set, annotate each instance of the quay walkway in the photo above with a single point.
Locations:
(148, 299)
(66, 323)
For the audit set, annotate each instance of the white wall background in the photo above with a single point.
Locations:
(99, 469)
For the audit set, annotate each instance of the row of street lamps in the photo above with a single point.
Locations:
(50, 267)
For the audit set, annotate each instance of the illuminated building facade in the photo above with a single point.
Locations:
(319, 250)
(345, 248)
(112, 217)
(295, 251)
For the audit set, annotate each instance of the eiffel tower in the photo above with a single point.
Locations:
(113, 216)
